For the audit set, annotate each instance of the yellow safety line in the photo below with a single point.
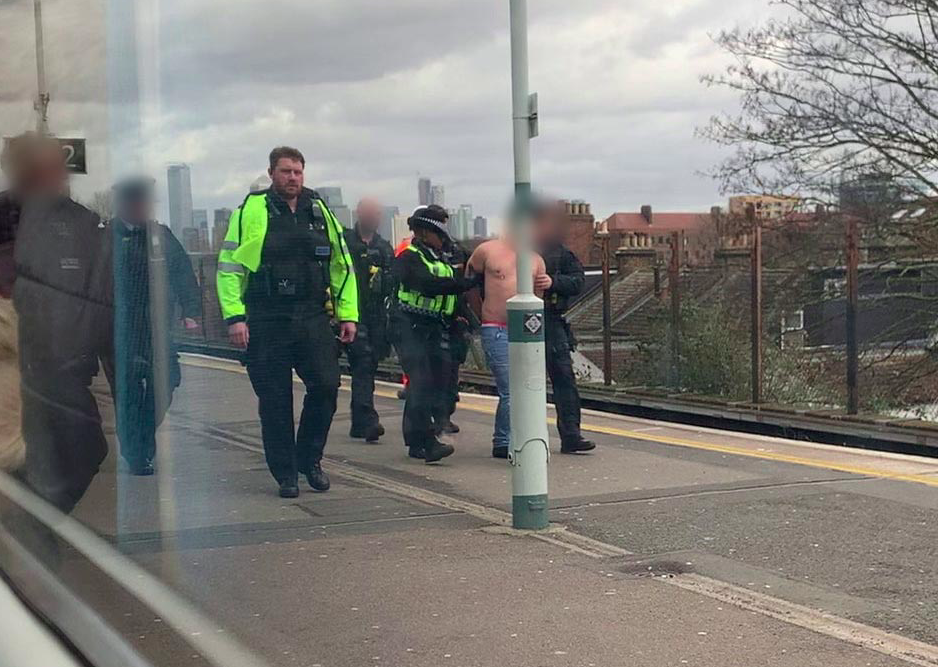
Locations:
(665, 440)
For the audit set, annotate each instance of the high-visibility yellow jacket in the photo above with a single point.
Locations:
(240, 256)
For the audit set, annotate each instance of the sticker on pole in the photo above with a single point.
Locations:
(533, 322)
(525, 326)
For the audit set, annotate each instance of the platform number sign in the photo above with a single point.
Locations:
(74, 151)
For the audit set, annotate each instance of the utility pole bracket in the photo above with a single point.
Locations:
(532, 115)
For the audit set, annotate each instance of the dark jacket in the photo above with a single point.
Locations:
(9, 221)
(410, 273)
(372, 262)
(64, 286)
(132, 273)
(568, 278)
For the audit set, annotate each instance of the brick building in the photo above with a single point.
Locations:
(698, 234)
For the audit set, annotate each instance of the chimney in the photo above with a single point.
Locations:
(715, 212)
(635, 254)
(820, 210)
(646, 213)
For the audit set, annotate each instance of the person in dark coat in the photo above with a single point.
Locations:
(152, 278)
(63, 296)
(372, 256)
(565, 281)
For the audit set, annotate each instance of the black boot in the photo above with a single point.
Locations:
(578, 445)
(289, 488)
(436, 451)
(450, 427)
(499, 451)
(416, 453)
(373, 432)
(317, 479)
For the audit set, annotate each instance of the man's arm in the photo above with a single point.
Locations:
(570, 278)
(230, 283)
(182, 278)
(542, 281)
(475, 269)
(414, 275)
(232, 276)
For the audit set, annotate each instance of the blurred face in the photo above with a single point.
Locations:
(136, 212)
(430, 238)
(41, 171)
(287, 178)
(549, 226)
(369, 215)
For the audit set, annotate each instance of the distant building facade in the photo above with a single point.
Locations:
(480, 227)
(332, 195)
(386, 229)
(190, 240)
(179, 185)
(220, 227)
(767, 207)
(200, 218)
(424, 187)
(438, 195)
(698, 238)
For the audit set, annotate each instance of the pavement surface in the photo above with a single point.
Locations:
(828, 555)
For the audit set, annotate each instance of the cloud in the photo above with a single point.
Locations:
(377, 92)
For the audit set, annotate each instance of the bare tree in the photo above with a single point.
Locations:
(839, 104)
(102, 203)
(834, 90)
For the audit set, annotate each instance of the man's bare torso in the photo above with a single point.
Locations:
(498, 262)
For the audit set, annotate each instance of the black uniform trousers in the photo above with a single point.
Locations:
(559, 345)
(459, 351)
(423, 349)
(306, 343)
(364, 353)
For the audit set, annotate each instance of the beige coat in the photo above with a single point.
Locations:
(12, 448)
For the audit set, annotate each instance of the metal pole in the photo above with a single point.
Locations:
(607, 315)
(756, 304)
(674, 280)
(853, 362)
(42, 99)
(528, 451)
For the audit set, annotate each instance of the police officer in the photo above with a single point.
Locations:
(460, 337)
(284, 268)
(153, 275)
(564, 280)
(426, 300)
(372, 256)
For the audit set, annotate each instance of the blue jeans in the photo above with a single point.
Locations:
(495, 344)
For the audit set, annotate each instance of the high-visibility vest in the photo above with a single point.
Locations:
(240, 256)
(441, 305)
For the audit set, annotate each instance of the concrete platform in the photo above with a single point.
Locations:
(368, 574)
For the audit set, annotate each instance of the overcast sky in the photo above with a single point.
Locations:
(377, 92)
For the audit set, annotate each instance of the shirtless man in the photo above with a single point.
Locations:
(496, 261)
